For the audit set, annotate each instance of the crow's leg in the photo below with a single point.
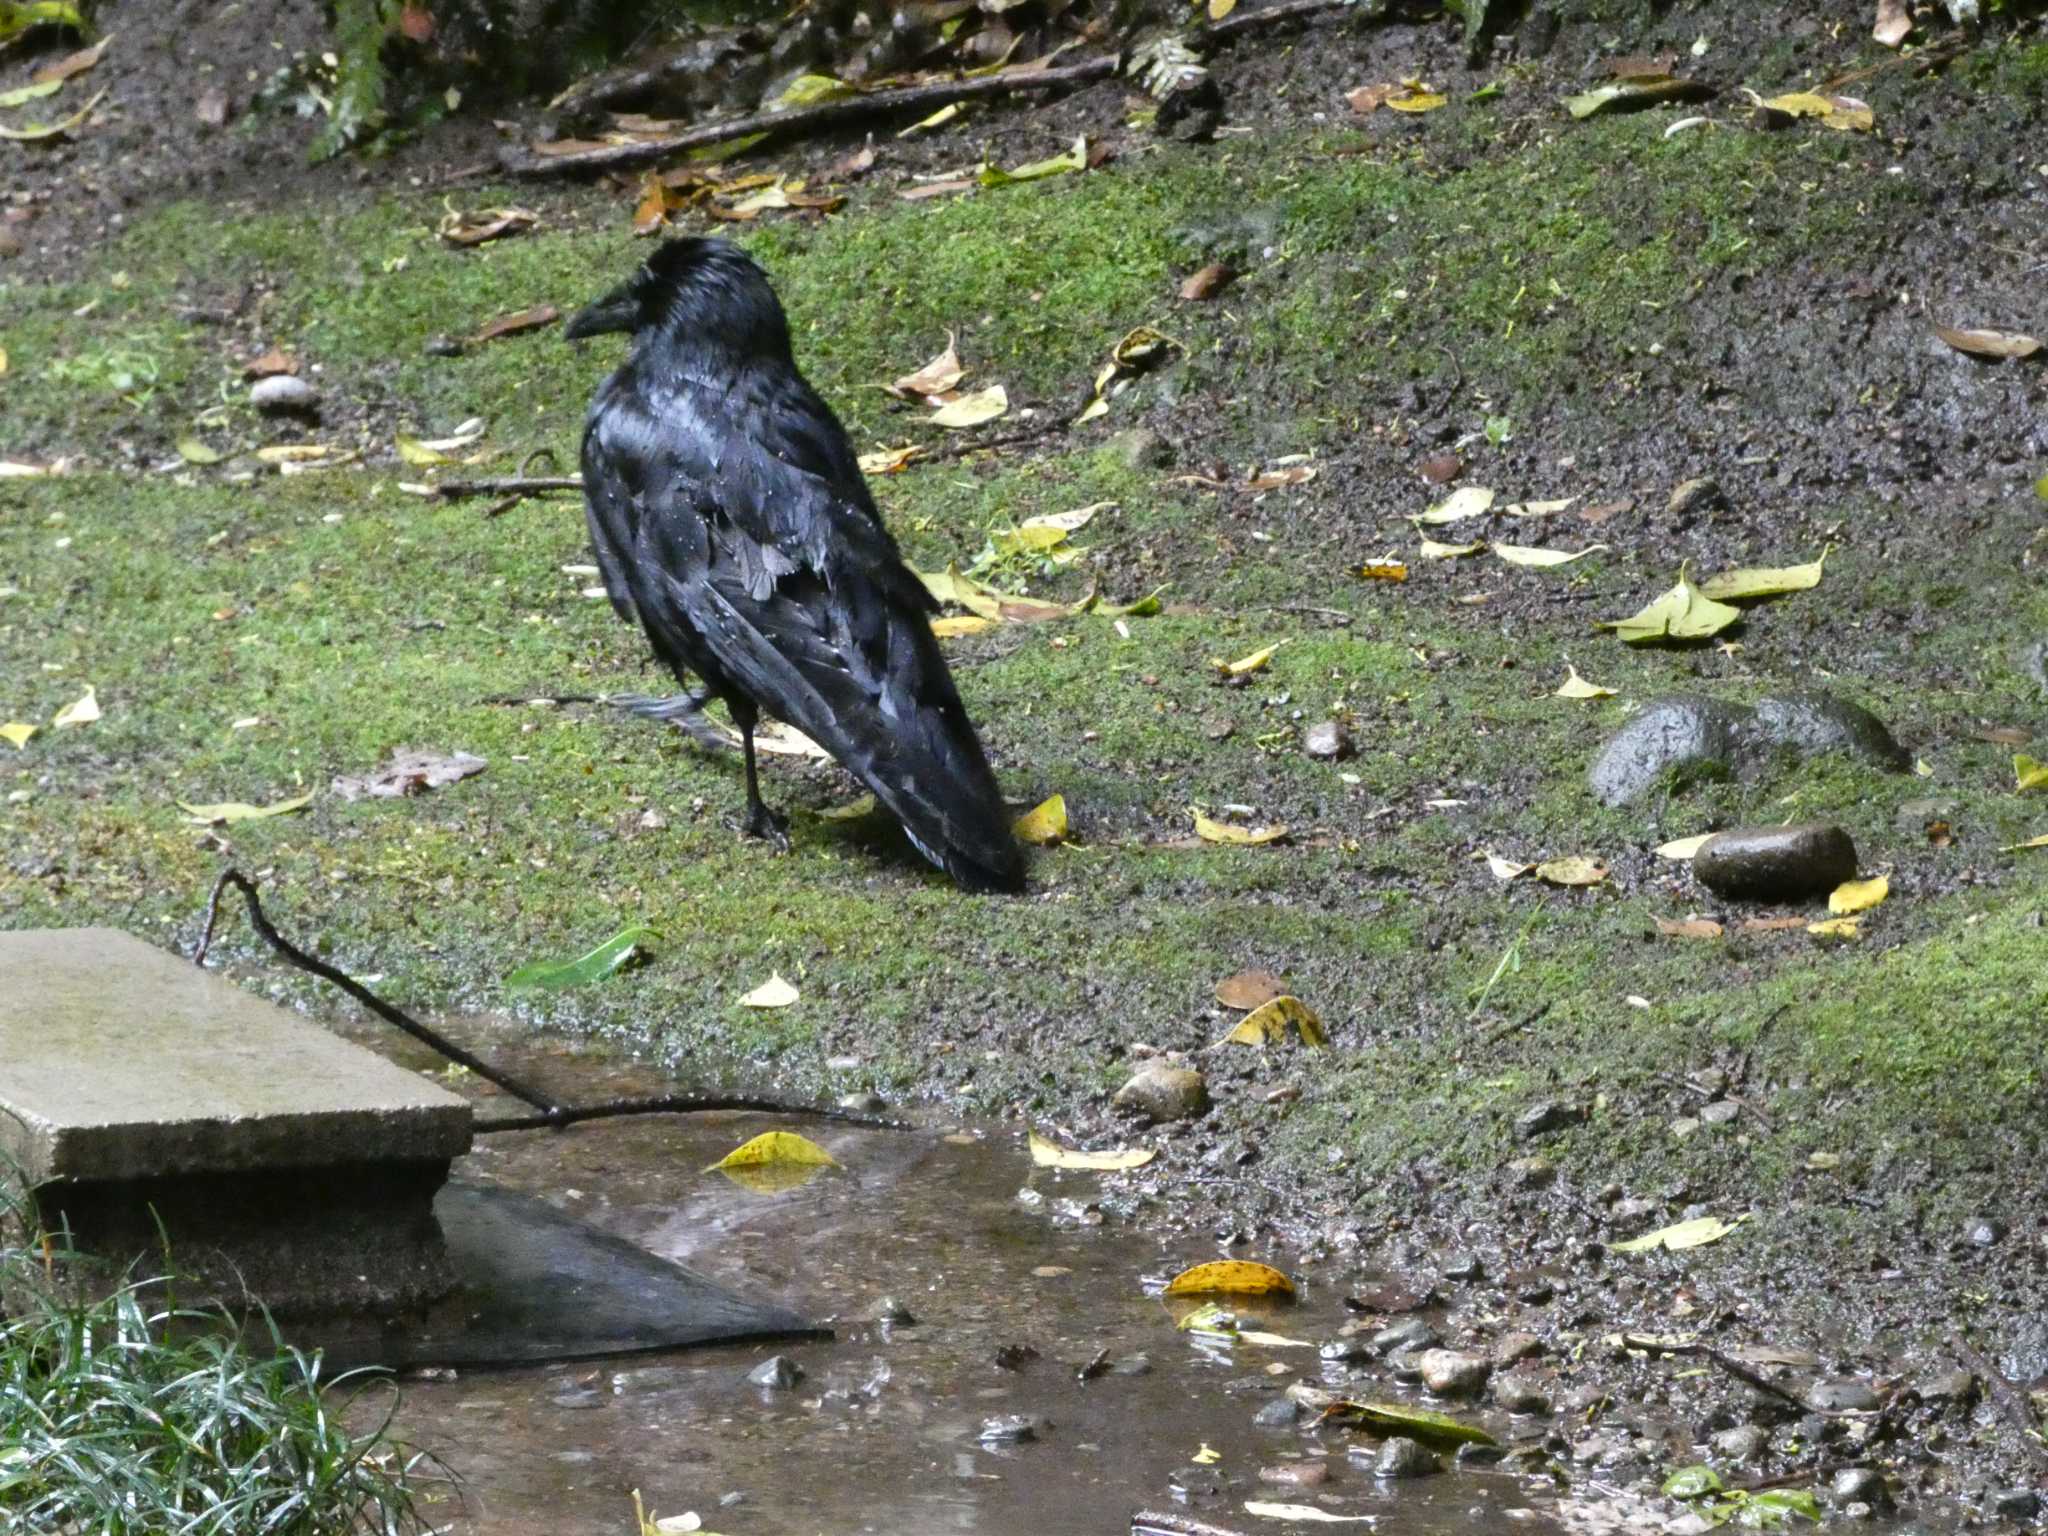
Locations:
(685, 711)
(761, 822)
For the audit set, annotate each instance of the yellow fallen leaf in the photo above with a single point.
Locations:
(773, 1148)
(772, 993)
(2032, 842)
(1836, 928)
(1230, 1277)
(950, 586)
(51, 130)
(853, 810)
(16, 733)
(1208, 1455)
(1696, 1233)
(294, 453)
(1050, 1154)
(1506, 869)
(193, 451)
(1272, 1340)
(955, 625)
(1225, 832)
(82, 710)
(1416, 97)
(1992, 344)
(1043, 823)
(1432, 550)
(1528, 554)
(1466, 501)
(3, 360)
(890, 461)
(1540, 508)
(1841, 112)
(1683, 613)
(971, 410)
(1683, 847)
(416, 453)
(230, 811)
(1765, 581)
(1858, 895)
(1575, 871)
(1576, 687)
(1383, 570)
(2029, 773)
(1270, 1024)
(1244, 664)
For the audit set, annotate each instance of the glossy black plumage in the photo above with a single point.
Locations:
(731, 519)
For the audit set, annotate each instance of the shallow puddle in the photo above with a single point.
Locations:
(884, 1432)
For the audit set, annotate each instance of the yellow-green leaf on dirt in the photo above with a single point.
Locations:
(1246, 664)
(1696, 1233)
(772, 993)
(1858, 895)
(1530, 555)
(1576, 687)
(1230, 1277)
(1683, 847)
(1764, 581)
(1277, 1021)
(230, 811)
(85, 709)
(2030, 773)
(971, 410)
(1683, 613)
(1416, 1423)
(1044, 823)
(1211, 831)
(1050, 1154)
(1573, 871)
(16, 733)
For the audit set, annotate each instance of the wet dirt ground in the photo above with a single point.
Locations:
(996, 1260)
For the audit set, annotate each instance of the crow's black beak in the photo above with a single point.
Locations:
(618, 310)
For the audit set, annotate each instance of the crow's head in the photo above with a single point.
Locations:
(693, 290)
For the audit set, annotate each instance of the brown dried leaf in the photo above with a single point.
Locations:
(1772, 924)
(1208, 282)
(522, 320)
(1689, 928)
(1634, 66)
(852, 167)
(937, 377)
(1996, 345)
(1250, 989)
(1894, 23)
(270, 364)
(410, 773)
(472, 229)
(72, 63)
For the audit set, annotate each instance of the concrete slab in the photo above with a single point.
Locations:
(121, 1062)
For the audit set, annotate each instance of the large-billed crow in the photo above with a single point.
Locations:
(730, 517)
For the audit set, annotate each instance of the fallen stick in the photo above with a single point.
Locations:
(824, 114)
(2012, 1403)
(1739, 1371)
(1151, 1522)
(508, 485)
(853, 109)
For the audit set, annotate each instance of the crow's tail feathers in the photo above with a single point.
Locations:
(936, 781)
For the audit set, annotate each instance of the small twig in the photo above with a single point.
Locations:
(518, 487)
(2012, 1403)
(1819, 1474)
(961, 450)
(1151, 1522)
(1740, 1372)
(1343, 618)
(803, 120)
(680, 1104)
(1514, 1026)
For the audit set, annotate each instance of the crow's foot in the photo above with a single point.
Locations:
(766, 825)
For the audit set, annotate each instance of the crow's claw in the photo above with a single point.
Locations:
(766, 825)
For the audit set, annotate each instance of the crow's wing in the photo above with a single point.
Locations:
(742, 532)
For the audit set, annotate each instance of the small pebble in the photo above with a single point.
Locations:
(1326, 739)
(1010, 1429)
(1402, 1457)
(778, 1373)
(282, 392)
(1453, 1373)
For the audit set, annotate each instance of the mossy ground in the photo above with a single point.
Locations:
(1632, 310)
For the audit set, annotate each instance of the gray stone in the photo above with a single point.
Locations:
(1010, 1429)
(283, 392)
(2035, 660)
(1472, 1454)
(1691, 496)
(1743, 1443)
(1681, 732)
(1950, 1387)
(1409, 1333)
(1707, 736)
(1720, 1112)
(1454, 1373)
(778, 1373)
(1164, 1092)
(1131, 1365)
(1776, 863)
(1532, 1172)
(892, 1313)
(863, 1103)
(1984, 1232)
(1346, 1351)
(1281, 1413)
(121, 1061)
(2016, 1503)
(1462, 1265)
(1402, 1457)
(1844, 1395)
(1520, 1394)
(1142, 448)
(1859, 1485)
(1326, 739)
(1812, 721)
(1539, 1119)
(1511, 1348)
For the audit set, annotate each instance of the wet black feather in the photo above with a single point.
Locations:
(731, 519)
